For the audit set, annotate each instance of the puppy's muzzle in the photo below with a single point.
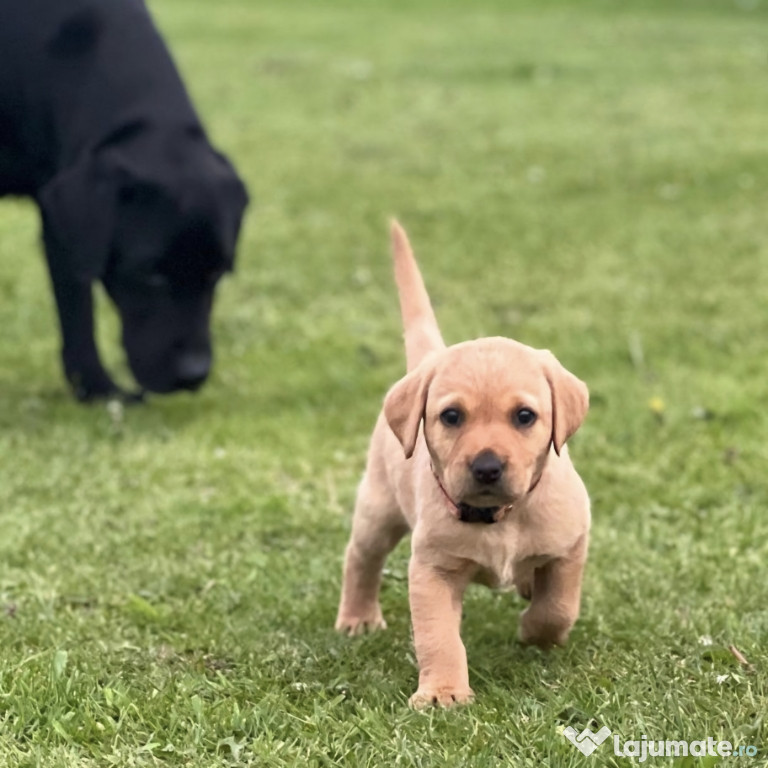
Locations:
(487, 468)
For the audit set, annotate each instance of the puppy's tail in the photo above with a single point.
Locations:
(422, 335)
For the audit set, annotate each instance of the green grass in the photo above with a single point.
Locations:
(585, 176)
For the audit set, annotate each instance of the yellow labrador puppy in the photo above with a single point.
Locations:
(469, 455)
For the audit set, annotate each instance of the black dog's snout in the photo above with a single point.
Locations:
(486, 468)
(192, 369)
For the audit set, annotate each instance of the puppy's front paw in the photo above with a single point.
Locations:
(442, 696)
(543, 630)
(360, 624)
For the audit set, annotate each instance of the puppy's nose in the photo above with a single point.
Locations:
(486, 467)
(192, 369)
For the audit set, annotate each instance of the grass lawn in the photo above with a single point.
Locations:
(584, 176)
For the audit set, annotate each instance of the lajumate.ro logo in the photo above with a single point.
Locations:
(643, 748)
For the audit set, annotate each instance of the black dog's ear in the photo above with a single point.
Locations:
(208, 202)
(238, 202)
(78, 208)
(232, 200)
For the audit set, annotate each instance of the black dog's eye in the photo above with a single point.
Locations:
(523, 417)
(451, 417)
(155, 280)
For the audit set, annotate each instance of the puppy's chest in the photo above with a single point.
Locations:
(496, 557)
(505, 557)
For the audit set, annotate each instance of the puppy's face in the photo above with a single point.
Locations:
(488, 423)
(491, 409)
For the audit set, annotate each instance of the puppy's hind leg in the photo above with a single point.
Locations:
(377, 526)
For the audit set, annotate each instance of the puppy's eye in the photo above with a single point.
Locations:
(451, 417)
(523, 417)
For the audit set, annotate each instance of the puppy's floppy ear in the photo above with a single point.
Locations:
(405, 403)
(78, 208)
(570, 400)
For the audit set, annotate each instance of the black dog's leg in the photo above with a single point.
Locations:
(82, 366)
(74, 302)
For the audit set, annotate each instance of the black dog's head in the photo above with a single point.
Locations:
(156, 218)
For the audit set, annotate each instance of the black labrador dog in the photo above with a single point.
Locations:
(97, 127)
